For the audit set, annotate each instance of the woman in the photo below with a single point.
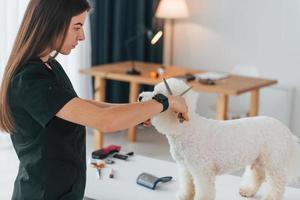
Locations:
(43, 113)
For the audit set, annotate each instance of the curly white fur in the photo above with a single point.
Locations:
(204, 148)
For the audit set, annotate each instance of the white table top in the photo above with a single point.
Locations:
(124, 186)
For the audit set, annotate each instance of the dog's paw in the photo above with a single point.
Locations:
(182, 196)
(247, 192)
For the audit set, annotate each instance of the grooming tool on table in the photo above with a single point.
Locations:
(109, 161)
(98, 164)
(120, 156)
(151, 181)
(111, 173)
(105, 152)
(130, 153)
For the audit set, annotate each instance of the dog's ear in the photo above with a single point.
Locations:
(144, 96)
(140, 98)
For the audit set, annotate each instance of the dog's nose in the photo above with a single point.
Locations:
(140, 98)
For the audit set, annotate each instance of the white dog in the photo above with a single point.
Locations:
(204, 148)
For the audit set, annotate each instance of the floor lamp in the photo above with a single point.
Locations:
(169, 10)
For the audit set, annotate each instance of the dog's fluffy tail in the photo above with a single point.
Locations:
(294, 164)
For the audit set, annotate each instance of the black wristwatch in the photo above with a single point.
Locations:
(163, 100)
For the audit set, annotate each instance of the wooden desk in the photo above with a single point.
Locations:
(233, 85)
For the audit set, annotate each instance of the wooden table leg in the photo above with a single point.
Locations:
(99, 96)
(254, 104)
(134, 90)
(222, 107)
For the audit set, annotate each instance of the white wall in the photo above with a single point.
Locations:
(220, 34)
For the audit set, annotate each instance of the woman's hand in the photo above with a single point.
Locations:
(147, 123)
(178, 105)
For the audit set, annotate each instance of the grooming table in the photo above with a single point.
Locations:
(124, 186)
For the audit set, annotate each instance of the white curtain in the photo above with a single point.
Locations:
(11, 14)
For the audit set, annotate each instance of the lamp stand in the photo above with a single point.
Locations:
(168, 41)
(133, 70)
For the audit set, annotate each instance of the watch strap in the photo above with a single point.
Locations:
(163, 100)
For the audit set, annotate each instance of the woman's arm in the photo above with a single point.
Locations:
(103, 104)
(115, 118)
(108, 119)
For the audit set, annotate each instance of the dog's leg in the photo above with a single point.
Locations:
(187, 189)
(277, 182)
(204, 186)
(252, 179)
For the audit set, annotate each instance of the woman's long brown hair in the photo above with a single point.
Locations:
(44, 22)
